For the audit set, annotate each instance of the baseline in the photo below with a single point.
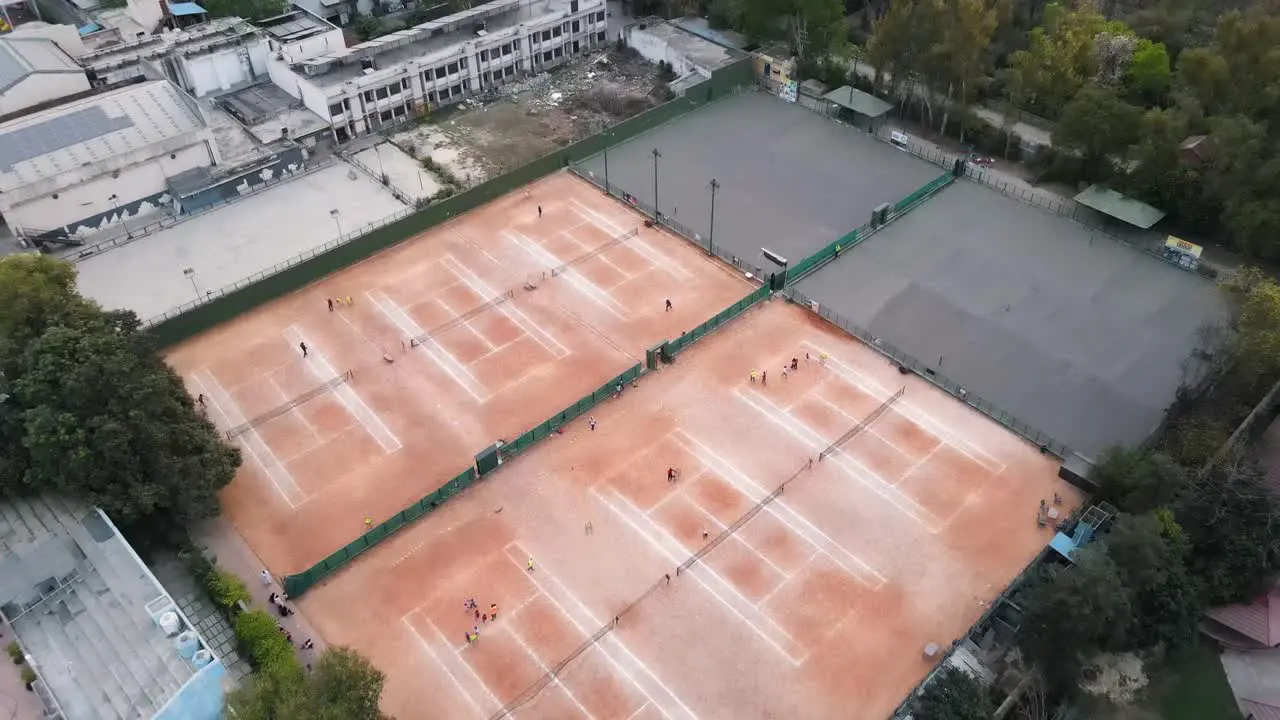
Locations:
(458, 667)
(276, 472)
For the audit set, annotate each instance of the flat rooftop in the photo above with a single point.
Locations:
(1067, 330)
(85, 609)
(790, 180)
(235, 241)
(193, 40)
(265, 110)
(701, 51)
(429, 38)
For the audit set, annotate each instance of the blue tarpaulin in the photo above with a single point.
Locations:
(186, 8)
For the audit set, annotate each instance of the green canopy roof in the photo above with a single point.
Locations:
(858, 101)
(1121, 207)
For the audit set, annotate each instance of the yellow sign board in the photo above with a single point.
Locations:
(1184, 247)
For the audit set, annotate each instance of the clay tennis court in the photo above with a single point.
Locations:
(820, 605)
(477, 330)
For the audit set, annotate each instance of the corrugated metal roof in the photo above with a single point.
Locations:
(49, 143)
(1259, 710)
(1258, 620)
(1109, 202)
(858, 101)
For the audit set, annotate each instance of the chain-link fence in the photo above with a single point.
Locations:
(923, 370)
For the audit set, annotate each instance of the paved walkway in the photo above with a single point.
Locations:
(1029, 133)
(208, 620)
(16, 703)
(233, 555)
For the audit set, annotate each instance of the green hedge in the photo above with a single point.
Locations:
(261, 640)
(674, 347)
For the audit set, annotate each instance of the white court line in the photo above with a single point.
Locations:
(720, 589)
(714, 521)
(529, 651)
(258, 449)
(512, 313)
(794, 521)
(622, 659)
(285, 398)
(864, 475)
(910, 411)
(495, 350)
(872, 430)
(466, 324)
(636, 714)
(347, 396)
(575, 278)
(455, 660)
(601, 256)
(407, 325)
(659, 259)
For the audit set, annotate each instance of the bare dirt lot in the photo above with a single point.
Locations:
(512, 125)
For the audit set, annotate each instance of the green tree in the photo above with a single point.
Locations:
(369, 27)
(92, 411)
(1257, 338)
(1097, 126)
(1148, 552)
(960, 55)
(342, 685)
(1136, 481)
(1149, 75)
(953, 694)
(817, 27)
(1232, 520)
(1071, 614)
(247, 9)
(1060, 57)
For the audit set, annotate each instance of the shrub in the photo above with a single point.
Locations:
(15, 653)
(28, 676)
(226, 590)
(261, 640)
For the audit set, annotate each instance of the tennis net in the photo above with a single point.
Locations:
(276, 412)
(597, 251)
(863, 424)
(464, 317)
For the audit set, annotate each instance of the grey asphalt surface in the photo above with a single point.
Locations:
(791, 180)
(1072, 333)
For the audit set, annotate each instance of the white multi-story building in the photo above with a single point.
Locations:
(387, 80)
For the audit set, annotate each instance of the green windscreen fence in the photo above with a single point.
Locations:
(811, 264)
(676, 345)
(224, 304)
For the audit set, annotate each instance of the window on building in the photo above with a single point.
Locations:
(440, 72)
(558, 52)
(555, 31)
(600, 16)
(457, 90)
(431, 97)
(404, 83)
(516, 44)
(453, 68)
(368, 96)
(398, 112)
(506, 49)
(462, 63)
(546, 35)
(335, 109)
(546, 56)
(381, 93)
(393, 89)
(577, 26)
(385, 116)
(600, 37)
(484, 55)
(509, 70)
(466, 83)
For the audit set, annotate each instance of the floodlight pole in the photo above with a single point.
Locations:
(191, 275)
(711, 235)
(656, 213)
(115, 205)
(334, 214)
(605, 134)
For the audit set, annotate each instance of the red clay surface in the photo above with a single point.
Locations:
(820, 606)
(368, 448)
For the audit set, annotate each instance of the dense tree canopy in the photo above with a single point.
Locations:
(92, 411)
(342, 685)
(953, 694)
